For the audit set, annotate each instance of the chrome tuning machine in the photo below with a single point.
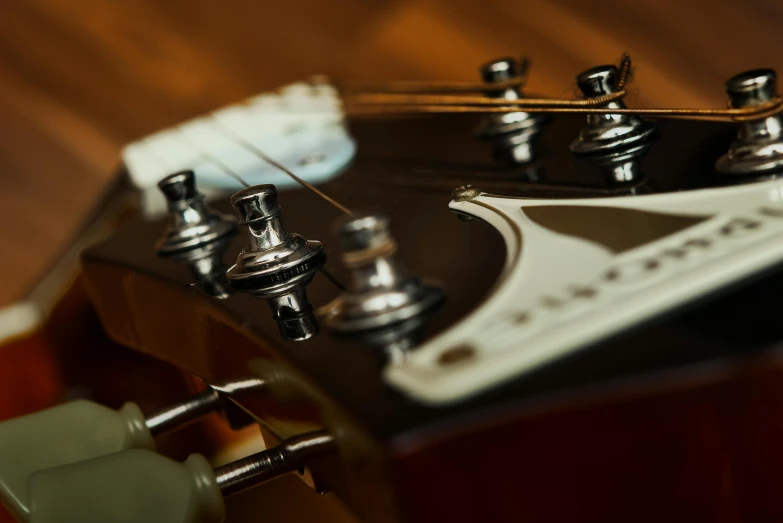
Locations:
(195, 234)
(513, 134)
(380, 292)
(615, 142)
(758, 149)
(275, 265)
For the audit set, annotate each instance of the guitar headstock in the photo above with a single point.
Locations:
(465, 269)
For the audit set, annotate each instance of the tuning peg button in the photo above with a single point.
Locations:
(134, 486)
(72, 432)
(139, 486)
(83, 430)
(758, 149)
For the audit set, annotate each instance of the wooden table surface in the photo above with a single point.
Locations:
(79, 78)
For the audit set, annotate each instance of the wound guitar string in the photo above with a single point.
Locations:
(407, 97)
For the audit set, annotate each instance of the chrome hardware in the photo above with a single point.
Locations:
(513, 134)
(192, 224)
(275, 265)
(380, 292)
(615, 142)
(195, 234)
(758, 149)
(182, 413)
(211, 400)
(289, 456)
(396, 341)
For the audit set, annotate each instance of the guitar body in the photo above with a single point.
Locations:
(673, 418)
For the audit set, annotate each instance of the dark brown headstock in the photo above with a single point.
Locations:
(581, 427)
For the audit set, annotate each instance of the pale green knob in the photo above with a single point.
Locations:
(134, 486)
(61, 435)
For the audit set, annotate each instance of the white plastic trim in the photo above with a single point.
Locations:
(514, 331)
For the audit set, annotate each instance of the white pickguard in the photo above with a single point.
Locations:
(537, 313)
(301, 126)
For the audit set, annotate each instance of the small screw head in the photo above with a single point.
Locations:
(465, 193)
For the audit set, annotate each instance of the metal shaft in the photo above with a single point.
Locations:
(289, 456)
(208, 401)
(195, 407)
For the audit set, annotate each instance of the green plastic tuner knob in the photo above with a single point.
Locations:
(61, 435)
(134, 486)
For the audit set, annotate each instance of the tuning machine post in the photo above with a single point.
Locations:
(195, 234)
(380, 292)
(614, 142)
(514, 134)
(275, 265)
(758, 148)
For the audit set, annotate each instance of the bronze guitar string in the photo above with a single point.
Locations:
(625, 72)
(405, 97)
(383, 104)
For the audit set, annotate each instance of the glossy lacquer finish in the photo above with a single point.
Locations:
(675, 420)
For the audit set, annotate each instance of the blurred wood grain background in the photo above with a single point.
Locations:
(79, 78)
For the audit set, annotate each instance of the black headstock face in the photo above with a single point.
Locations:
(407, 166)
(439, 153)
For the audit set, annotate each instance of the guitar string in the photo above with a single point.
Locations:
(719, 115)
(372, 104)
(255, 150)
(252, 148)
(329, 276)
(400, 98)
(225, 168)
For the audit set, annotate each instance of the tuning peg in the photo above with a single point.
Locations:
(64, 434)
(615, 142)
(381, 291)
(275, 265)
(195, 234)
(192, 225)
(140, 486)
(758, 149)
(133, 486)
(513, 134)
(83, 429)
